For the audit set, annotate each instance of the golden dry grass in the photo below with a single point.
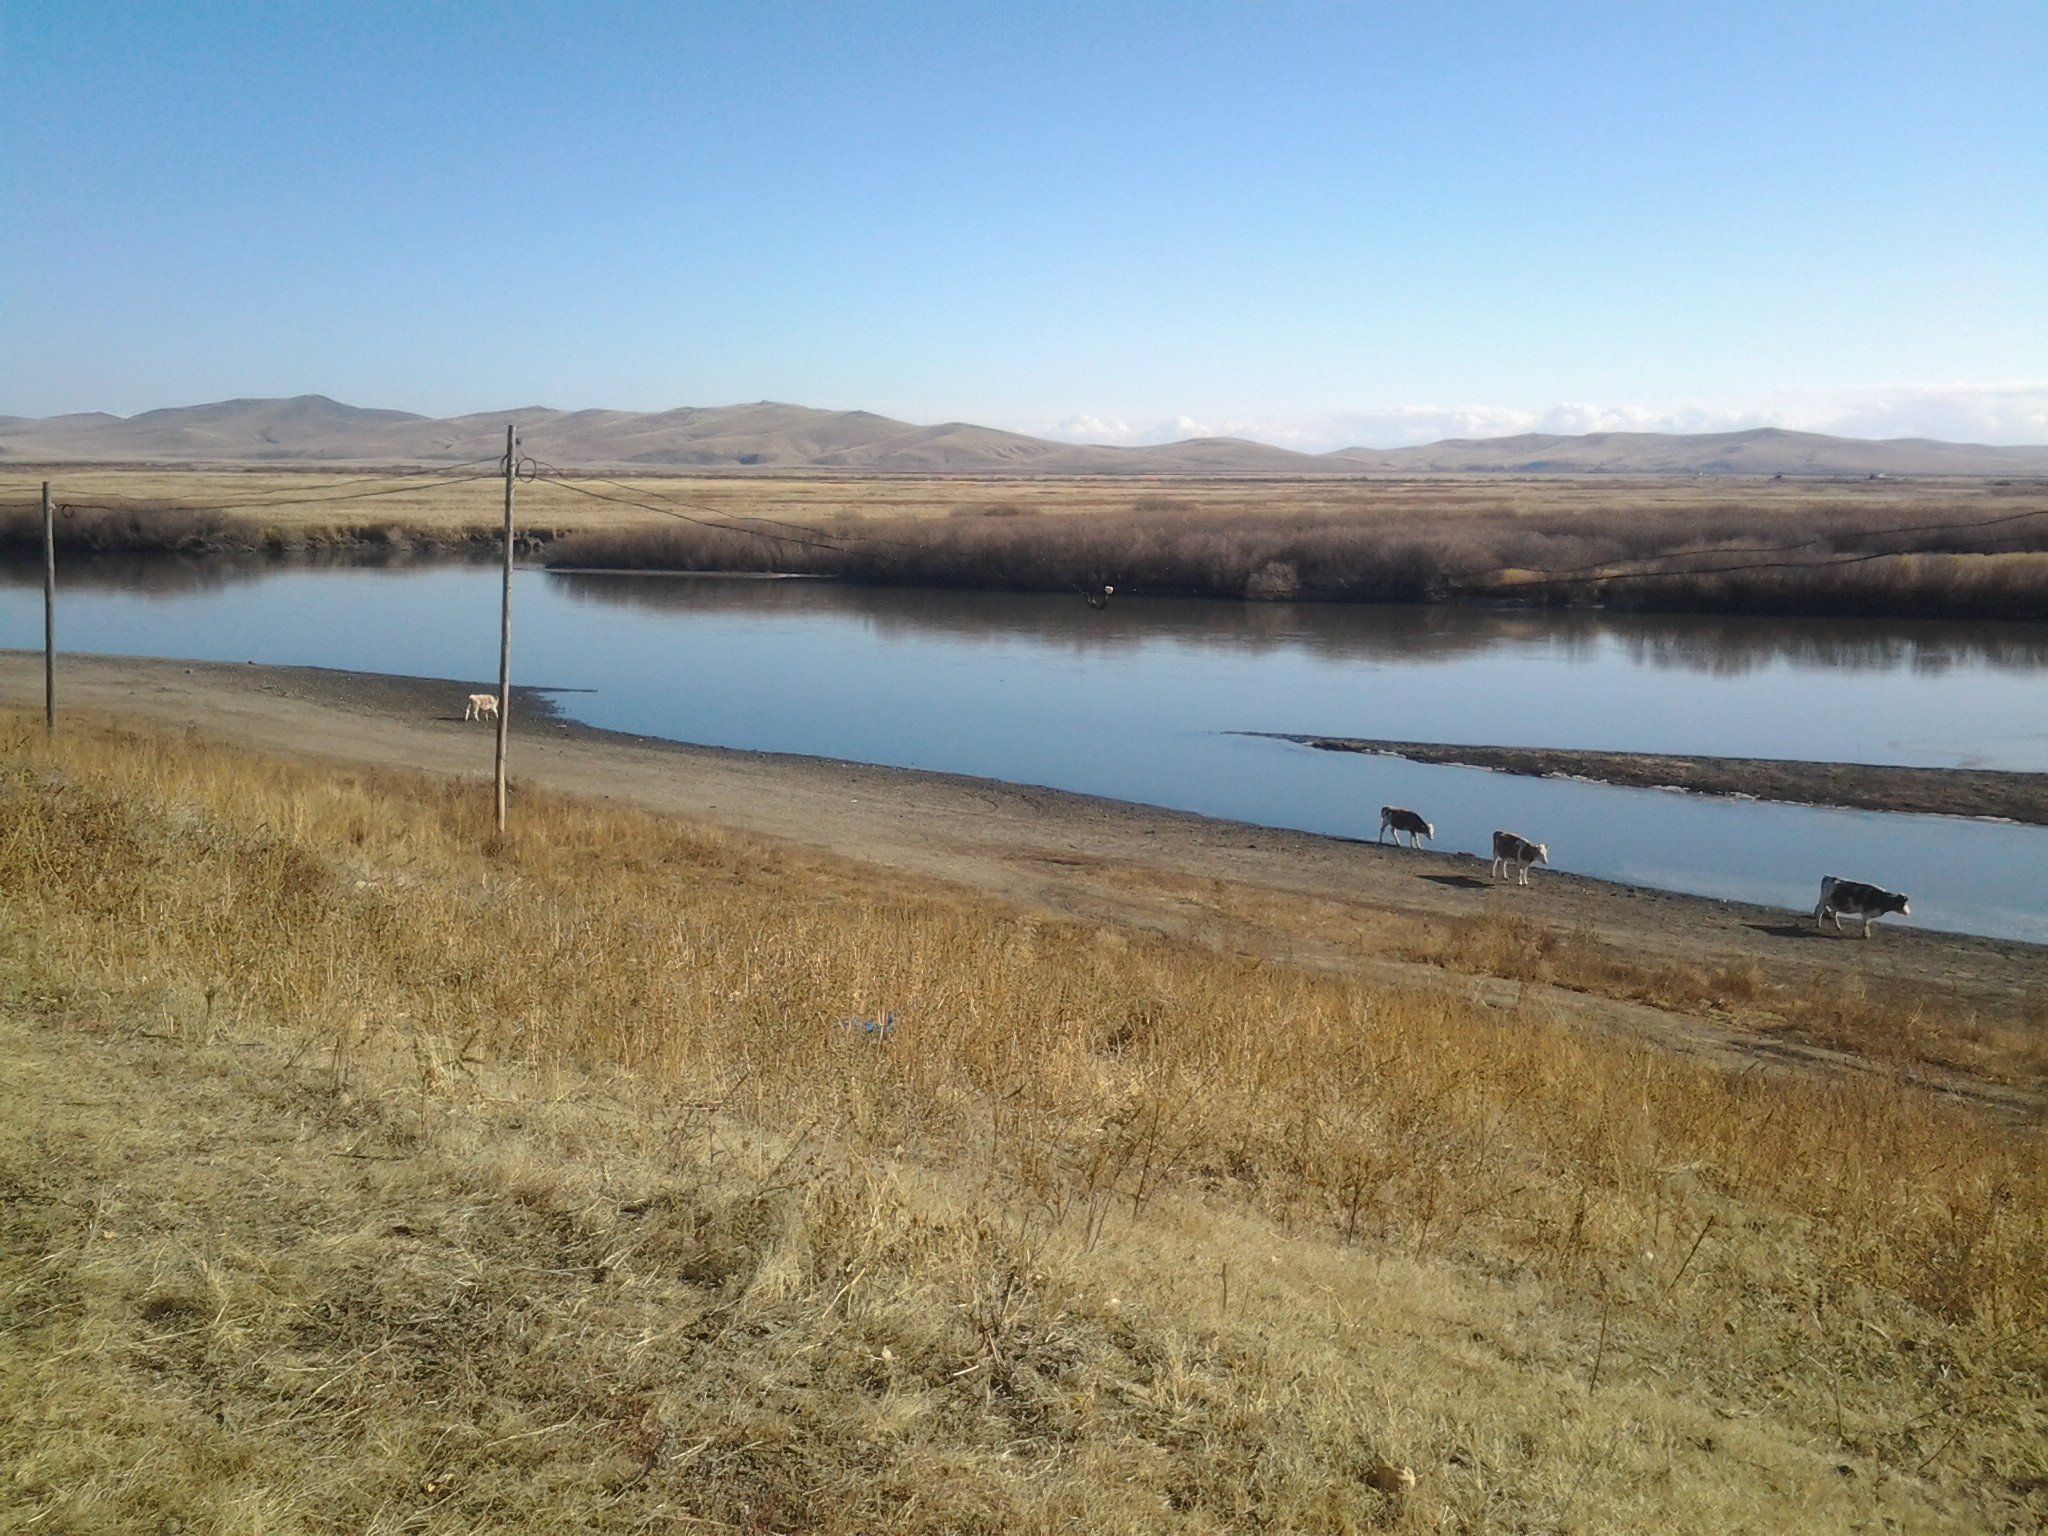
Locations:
(366, 1174)
(820, 498)
(1900, 1021)
(1896, 1021)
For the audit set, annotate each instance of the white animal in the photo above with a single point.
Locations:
(1403, 820)
(1868, 902)
(1518, 851)
(481, 706)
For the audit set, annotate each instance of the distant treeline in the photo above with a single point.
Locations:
(1731, 560)
(173, 530)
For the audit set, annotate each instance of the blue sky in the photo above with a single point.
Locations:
(1315, 224)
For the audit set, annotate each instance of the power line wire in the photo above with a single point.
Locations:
(411, 488)
(1096, 589)
(838, 538)
(443, 474)
(556, 477)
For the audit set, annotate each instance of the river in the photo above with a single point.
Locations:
(1140, 701)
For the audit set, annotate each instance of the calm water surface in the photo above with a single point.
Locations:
(1137, 702)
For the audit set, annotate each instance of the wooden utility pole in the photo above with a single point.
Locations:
(505, 623)
(49, 612)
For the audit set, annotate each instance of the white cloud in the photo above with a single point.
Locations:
(2008, 413)
(1084, 429)
(1179, 430)
(1975, 413)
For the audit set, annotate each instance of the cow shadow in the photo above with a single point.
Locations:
(1788, 930)
(1462, 882)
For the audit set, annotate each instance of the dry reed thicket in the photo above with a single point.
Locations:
(1971, 551)
(1976, 549)
(365, 1174)
(286, 516)
(1726, 560)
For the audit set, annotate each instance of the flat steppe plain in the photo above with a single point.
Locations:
(313, 499)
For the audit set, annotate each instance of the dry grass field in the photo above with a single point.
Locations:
(1977, 549)
(316, 499)
(360, 1172)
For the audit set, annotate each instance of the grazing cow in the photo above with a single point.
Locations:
(1868, 902)
(1401, 820)
(482, 706)
(1518, 851)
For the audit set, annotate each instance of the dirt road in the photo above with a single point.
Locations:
(1293, 897)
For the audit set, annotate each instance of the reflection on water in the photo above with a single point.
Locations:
(1723, 646)
(1135, 702)
(159, 576)
(973, 618)
(1728, 647)
(181, 575)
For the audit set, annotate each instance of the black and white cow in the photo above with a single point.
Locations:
(1868, 902)
(1518, 851)
(1400, 820)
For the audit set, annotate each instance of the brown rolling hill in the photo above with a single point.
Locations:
(1758, 451)
(312, 429)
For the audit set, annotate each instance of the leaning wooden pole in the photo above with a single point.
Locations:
(49, 612)
(505, 623)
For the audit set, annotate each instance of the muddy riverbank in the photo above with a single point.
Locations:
(2021, 797)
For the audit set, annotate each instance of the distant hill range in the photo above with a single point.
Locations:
(311, 429)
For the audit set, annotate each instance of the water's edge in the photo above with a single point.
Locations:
(1138, 704)
(1978, 794)
(536, 716)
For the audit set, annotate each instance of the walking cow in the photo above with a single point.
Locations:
(1868, 902)
(1518, 851)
